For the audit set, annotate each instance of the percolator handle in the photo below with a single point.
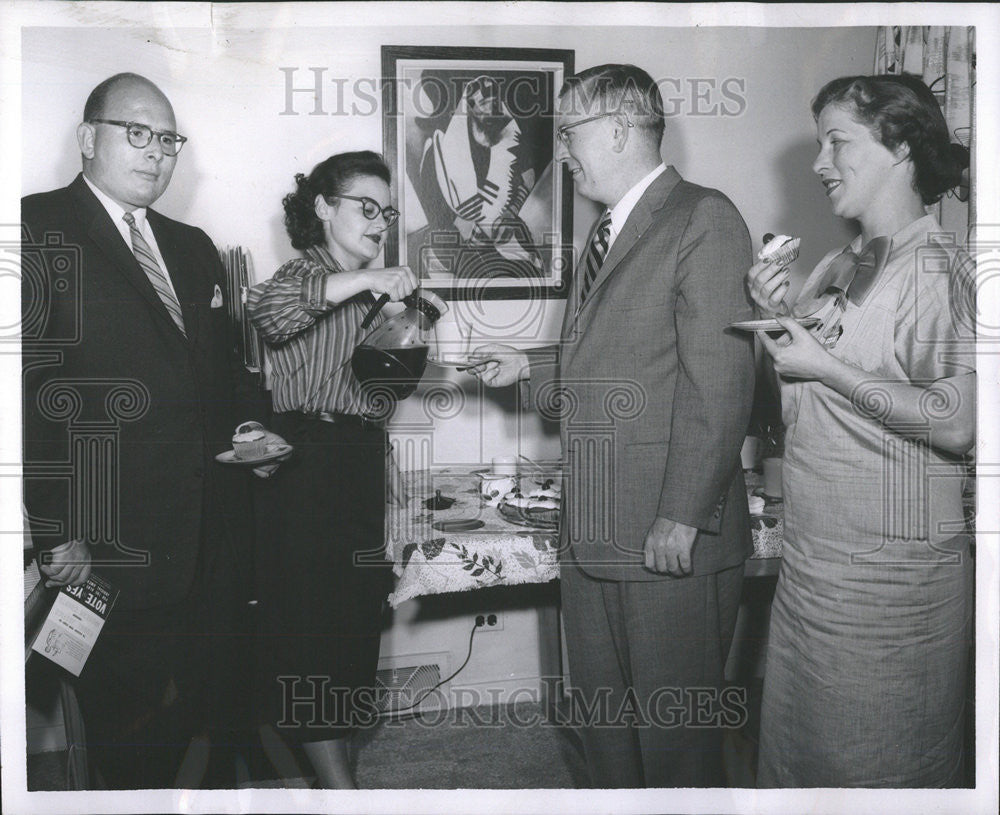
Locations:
(374, 310)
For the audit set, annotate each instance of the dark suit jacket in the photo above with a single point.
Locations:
(123, 413)
(652, 390)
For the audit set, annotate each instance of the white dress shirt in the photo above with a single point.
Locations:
(116, 211)
(624, 207)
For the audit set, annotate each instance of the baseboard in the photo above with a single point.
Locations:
(496, 691)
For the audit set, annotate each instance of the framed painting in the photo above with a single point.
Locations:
(470, 135)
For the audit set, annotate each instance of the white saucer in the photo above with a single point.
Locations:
(451, 363)
(273, 451)
(772, 325)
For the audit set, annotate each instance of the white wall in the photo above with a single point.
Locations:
(229, 93)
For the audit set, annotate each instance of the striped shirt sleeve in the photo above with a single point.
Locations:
(290, 302)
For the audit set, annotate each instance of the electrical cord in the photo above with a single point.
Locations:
(461, 667)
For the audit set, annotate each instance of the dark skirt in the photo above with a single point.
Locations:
(322, 579)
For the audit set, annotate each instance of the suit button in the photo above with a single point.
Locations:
(199, 472)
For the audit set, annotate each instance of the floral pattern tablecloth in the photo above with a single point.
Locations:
(430, 561)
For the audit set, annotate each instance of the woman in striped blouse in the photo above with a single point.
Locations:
(324, 507)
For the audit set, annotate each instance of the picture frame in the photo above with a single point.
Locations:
(470, 135)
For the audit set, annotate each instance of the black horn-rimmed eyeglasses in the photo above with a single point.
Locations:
(371, 209)
(140, 135)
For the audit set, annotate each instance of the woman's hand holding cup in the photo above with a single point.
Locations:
(768, 283)
(497, 365)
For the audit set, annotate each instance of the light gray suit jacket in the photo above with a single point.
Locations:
(652, 390)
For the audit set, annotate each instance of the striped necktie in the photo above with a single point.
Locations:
(147, 260)
(596, 253)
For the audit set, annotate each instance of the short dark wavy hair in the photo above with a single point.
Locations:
(330, 177)
(900, 109)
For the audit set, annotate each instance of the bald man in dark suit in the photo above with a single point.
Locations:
(140, 346)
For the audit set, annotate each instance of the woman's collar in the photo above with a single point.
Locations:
(923, 224)
(322, 256)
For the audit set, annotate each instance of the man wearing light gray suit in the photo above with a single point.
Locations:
(653, 394)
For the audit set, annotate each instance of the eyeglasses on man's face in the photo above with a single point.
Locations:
(140, 135)
(565, 136)
(371, 209)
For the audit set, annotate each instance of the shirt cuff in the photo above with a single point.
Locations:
(314, 292)
(702, 519)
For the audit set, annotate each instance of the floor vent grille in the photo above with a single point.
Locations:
(405, 687)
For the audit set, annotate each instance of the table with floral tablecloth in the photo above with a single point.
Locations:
(427, 560)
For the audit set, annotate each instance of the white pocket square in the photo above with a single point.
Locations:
(217, 297)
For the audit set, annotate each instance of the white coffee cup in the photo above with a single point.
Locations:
(494, 486)
(504, 465)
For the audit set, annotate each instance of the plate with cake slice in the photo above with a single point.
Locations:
(536, 511)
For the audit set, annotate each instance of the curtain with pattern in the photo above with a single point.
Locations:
(945, 58)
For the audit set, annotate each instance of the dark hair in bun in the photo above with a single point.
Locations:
(900, 109)
(328, 178)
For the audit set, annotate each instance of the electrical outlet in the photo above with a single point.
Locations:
(490, 621)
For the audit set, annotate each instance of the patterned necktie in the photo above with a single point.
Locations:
(596, 253)
(147, 260)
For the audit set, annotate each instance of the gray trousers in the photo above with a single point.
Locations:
(646, 664)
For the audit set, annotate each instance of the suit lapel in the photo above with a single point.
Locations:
(652, 200)
(109, 240)
(639, 218)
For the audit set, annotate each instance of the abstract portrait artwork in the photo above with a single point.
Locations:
(470, 135)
